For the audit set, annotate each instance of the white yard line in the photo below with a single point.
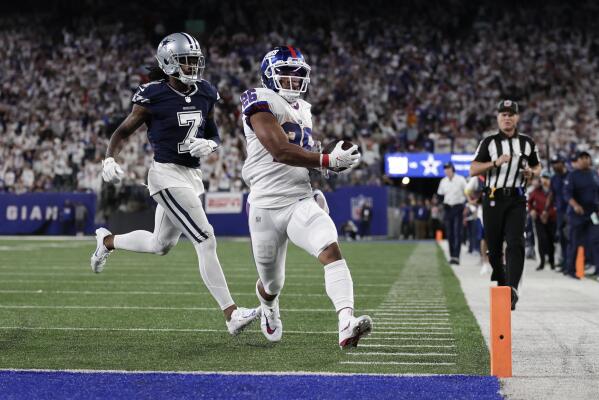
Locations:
(137, 292)
(107, 329)
(408, 338)
(395, 363)
(393, 346)
(383, 319)
(195, 281)
(435, 313)
(259, 373)
(69, 307)
(158, 274)
(382, 353)
(411, 323)
(414, 328)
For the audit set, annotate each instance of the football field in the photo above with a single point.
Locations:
(152, 313)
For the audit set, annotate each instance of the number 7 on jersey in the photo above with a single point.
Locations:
(194, 120)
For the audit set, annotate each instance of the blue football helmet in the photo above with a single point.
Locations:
(285, 71)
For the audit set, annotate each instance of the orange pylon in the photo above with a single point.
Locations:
(580, 262)
(438, 235)
(501, 331)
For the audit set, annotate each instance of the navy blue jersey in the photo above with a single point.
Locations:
(582, 186)
(175, 117)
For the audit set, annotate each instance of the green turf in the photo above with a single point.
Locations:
(146, 312)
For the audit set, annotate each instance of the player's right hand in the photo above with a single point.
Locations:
(340, 159)
(200, 147)
(111, 171)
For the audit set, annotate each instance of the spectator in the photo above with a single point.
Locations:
(452, 188)
(544, 219)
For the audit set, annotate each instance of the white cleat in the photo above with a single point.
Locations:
(485, 269)
(270, 322)
(242, 318)
(99, 257)
(352, 329)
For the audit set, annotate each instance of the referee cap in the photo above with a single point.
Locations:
(507, 106)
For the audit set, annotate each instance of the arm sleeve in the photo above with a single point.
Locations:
(533, 160)
(482, 152)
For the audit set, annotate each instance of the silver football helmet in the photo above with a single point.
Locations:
(179, 55)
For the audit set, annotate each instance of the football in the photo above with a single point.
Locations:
(331, 145)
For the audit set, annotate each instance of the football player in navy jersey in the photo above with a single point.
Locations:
(178, 110)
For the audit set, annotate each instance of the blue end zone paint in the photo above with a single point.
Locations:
(107, 385)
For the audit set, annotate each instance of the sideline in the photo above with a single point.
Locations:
(555, 345)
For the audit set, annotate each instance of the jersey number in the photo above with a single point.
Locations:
(298, 135)
(248, 97)
(194, 120)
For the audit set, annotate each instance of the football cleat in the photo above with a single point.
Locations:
(270, 322)
(352, 329)
(241, 318)
(98, 259)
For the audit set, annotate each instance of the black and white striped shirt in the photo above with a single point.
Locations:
(520, 147)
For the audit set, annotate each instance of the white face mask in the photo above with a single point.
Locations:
(291, 78)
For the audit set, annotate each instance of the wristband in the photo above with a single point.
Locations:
(324, 160)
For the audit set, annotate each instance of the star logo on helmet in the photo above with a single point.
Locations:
(166, 41)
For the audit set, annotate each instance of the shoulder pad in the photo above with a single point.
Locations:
(146, 93)
(208, 89)
(304, 104)
(259, 100)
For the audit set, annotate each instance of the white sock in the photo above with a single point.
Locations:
(140, 241)
(339, 286)
(212, 273)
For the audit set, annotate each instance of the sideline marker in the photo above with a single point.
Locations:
(438, 235)
(580, 262)
(501, 332)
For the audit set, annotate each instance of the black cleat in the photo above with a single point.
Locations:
(514, 298)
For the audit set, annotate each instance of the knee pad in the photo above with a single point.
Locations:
(265, 251)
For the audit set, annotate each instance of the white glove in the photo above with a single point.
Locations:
(201, 147)
(339, 159)
(111, 171)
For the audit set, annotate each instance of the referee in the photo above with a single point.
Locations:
(508, 159)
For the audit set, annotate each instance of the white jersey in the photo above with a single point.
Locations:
(273, 184)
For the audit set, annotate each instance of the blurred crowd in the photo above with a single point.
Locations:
(422, 79)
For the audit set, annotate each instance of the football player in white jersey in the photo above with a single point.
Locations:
(177, 108)
(278, 128)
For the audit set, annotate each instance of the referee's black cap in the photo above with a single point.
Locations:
(507, 106)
